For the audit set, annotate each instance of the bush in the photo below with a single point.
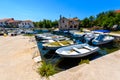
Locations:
(95, 28)
(81, 29)
(84, 61)
(117, 43)
(28, 34)
(46, 70)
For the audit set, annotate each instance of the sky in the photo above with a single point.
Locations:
(37, 10)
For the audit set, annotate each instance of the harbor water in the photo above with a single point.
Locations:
(49, 56)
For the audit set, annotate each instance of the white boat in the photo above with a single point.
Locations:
(29, 32)
(44, 36)
(48, 38)
(74, 51)
(102, 39)
(54, 39)
(47, 41)
(89, 36)
(57, 44)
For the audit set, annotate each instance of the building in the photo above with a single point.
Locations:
(68, 24)
(10, 22)
(26, 24)
(5, 21)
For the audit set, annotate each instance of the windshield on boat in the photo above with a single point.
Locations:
(100, 37)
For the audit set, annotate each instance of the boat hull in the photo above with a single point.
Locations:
(96, 42)
(62, 54)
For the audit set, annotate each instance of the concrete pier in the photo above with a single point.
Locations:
(103, 68)
(16, 61)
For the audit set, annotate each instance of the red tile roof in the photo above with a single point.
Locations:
(73, 19)
(117, 11)
(11, 20)
(6, 19)
(27, 21)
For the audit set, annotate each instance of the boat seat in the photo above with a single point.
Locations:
(76, 49)
(61, 44)
(70, 43)
(86, 47)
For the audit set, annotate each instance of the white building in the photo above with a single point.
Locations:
(26, 24)
(2, 23)
(5, 21)
(17, 23)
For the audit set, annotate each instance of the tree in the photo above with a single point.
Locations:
(86, 22)
(107, 19)
(45, 23)
(55, 23)
(91, 19)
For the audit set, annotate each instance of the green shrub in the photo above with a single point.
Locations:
(28, 34)
(46, 70)
(81, 29)
(84, 61)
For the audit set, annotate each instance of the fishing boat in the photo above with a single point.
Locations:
(48, 38)
(47, 41)
(88, 36)
(55, 39)
(57, 44)
(44, 36)
(75, 51)
(102, 39)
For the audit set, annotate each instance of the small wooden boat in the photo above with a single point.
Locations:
(48, 37)
(47, 41)
(57, 44)
(79, 50)
(44, 36)
(102, 39)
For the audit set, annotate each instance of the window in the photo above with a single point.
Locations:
(6, 23)
(63, 21)
(70, 26)
(60, 26)
(75, 26)
(72, 22)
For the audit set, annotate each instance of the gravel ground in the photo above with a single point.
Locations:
(16, 61)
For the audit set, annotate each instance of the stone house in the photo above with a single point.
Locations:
(68, 24)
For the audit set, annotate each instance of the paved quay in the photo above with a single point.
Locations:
(16, 61)
(117, 36)
(103, 68)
